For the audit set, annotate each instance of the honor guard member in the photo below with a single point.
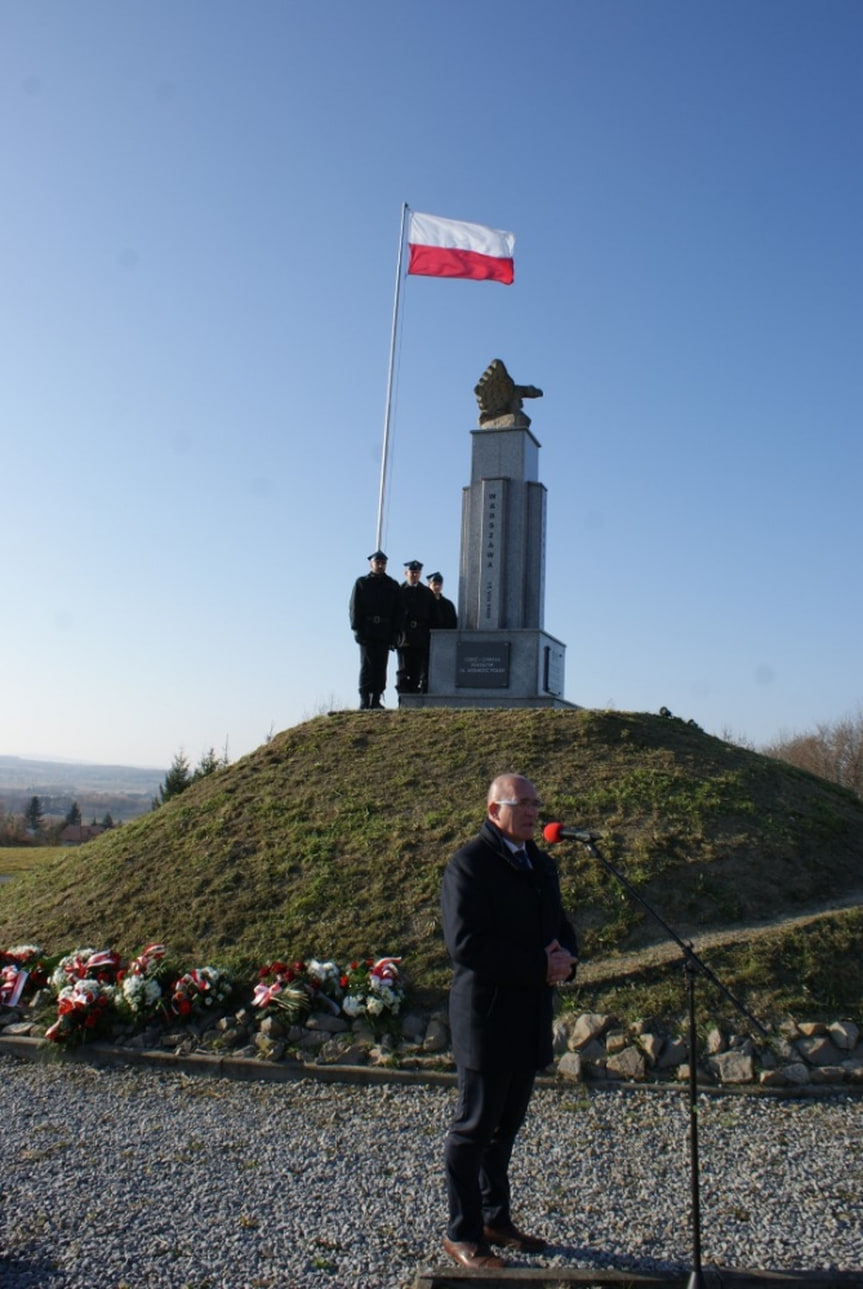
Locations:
(446, 618)
(375, 612)
(418, 617)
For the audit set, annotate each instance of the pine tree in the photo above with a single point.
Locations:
(177, 780)
(34, 814)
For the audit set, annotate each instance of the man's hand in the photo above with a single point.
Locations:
(560, 963)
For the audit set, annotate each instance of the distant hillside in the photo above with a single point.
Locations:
(126, 791)
(331, 840)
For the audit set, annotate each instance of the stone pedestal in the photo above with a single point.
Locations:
(520, 668)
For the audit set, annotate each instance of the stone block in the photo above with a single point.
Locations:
(774, 1078)
(651, 1045)
(827, 1074)
(272, 1027)
(311, 1039)
(674, 1053)
(588, 1026)
(844, 1034)
(414, 1027)
(628, 1064)
(818, 1050)
(733, 1067)
(569, 1066)
(560, 1035)
(797, 1073)
(437, 1036)
(328, 1024)
(593, 1053)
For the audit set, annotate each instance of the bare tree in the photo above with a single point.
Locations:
(833, 752)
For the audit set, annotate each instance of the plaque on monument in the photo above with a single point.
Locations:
(482, 665)
(553, 670)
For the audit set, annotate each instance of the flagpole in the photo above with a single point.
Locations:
(388, 412)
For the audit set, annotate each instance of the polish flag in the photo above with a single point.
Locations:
(451, 248)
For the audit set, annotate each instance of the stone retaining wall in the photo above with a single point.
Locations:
(589, 1047)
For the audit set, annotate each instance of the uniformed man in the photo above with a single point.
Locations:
(418, 615)
(446, 618)
(375, 612)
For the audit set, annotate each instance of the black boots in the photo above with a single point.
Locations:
(369, 701)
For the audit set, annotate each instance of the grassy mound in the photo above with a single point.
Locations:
(330, 841)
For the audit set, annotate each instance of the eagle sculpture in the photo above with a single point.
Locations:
(500, 399)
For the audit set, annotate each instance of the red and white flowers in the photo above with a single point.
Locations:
(82, 1008)
(372, 988)
(202, 987)
(141, 983)
(96, 990)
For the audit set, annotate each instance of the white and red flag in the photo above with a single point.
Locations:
(451, 248)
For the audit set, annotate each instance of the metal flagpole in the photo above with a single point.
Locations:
(386, 442)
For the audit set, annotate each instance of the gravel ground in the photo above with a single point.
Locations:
(132, 1179)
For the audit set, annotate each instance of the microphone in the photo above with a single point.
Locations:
(556, 832)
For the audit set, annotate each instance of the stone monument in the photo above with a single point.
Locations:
(500, 656)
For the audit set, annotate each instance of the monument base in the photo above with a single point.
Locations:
(522, 668)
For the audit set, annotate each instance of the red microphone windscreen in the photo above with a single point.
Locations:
(552, 832)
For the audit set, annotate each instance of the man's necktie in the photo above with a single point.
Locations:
(520, 859)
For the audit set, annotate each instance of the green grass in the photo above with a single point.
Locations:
(331, 839)
(23, 859)
(810, 972)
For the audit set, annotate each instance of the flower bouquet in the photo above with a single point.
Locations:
(83, 1010)
(140, 986)
(372, 988)
(21, 967)
(86, 964)
(325, 985)
(283, 986)
(200, 988)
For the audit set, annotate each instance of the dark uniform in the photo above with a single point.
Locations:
(497, 918)
(375, 612)
(418, 614)
(446, 618)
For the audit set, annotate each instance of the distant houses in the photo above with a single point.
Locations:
(76, 834)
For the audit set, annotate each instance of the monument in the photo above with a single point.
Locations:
(501, 655)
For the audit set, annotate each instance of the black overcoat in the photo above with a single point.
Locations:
(497, 920)
(375, 609)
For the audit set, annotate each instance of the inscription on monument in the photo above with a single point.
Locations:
(482, 665)
(492, 505)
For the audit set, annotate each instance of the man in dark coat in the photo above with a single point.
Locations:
(375, 614)
(511, 944)
(418, 616)
(446, 618)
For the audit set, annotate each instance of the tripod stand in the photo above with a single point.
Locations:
(692, 965)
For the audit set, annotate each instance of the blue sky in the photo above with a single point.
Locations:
(199, 234)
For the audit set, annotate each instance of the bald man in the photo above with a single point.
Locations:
(511, 944)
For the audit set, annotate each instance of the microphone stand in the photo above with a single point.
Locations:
(692, 964)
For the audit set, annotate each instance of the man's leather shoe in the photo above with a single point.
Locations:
(508, 1234)
(474, 1256)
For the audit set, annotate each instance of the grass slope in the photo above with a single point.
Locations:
(330, 840)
